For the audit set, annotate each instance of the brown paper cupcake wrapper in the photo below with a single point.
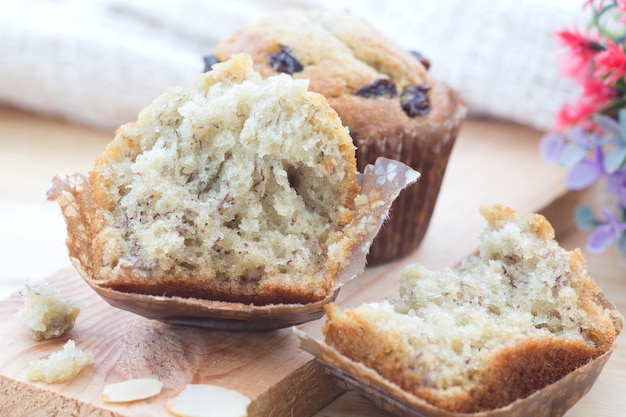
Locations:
(551, 401)
(428, 153)
(379, 185)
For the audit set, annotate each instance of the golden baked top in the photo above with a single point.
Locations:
(378, 88)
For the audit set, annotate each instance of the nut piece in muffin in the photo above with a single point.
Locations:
(45, 314)
(382, 93)
(237, 189)
(496, 328)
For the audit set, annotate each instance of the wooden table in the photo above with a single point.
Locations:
(492, 162)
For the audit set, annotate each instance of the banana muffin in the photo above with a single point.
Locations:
(503, 324)
(383, 93)
(235, 189)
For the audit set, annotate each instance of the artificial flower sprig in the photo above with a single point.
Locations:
(591, 132)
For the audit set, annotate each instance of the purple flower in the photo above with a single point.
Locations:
(568, 148)
(616, 183)
(551, 146)
(579, 142)
(586, 172)
(608, 125)
(605, 233)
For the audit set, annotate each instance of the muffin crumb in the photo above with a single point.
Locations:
(46, 315)
(60, 366)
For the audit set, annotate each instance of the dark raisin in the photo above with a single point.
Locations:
(209, 60)
(414, 100)
(284, 61)
(425, 61)
(380, 87)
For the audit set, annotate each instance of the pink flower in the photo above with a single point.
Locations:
(573, 113)
(598, 96)
(595, 91)
(595, 97)
(611, 63)
(592, 142)
(581, 51)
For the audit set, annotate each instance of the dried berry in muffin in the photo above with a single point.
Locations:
(380, 87)
(285, 61)
(209, 60)
(425, 61)
(414, 100)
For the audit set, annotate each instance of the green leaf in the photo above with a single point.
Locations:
(622, 124)
(572, 154)
(615, 159)
(585, 219)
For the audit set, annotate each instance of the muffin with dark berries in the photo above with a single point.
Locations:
(383, 93)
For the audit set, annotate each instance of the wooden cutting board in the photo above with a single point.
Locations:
(268, 367)
(499, 163)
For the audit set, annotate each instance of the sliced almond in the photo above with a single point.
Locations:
(131, 390)
(203, 400)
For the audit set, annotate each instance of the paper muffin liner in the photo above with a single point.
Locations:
(379, 186)
(552, 401)
(427, 152)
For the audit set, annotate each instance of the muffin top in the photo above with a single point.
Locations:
(378, 88)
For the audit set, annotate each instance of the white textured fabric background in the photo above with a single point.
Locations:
(98, 62)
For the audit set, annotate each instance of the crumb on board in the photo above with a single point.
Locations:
(60, 366)
(45, 314)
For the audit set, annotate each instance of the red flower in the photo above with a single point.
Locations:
(596, 95)
(575, 113)
(599, 65)
(596, 91)
(611, 63)
(582, 50)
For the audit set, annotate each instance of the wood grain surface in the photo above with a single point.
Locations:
(492, 162)
(267, 367)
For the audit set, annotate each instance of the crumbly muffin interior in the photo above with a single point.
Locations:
(237, 179)
(447, 326)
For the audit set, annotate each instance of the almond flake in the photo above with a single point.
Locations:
(131, 390)
(203, 400)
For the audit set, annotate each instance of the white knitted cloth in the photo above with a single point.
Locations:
(98, 62)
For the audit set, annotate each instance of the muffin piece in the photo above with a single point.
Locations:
(501, 325)
(237, 189)
(60, 366)
(46, 315)
(383, 94)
